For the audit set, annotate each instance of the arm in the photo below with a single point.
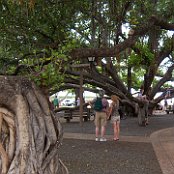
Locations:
(91, 103)
(109, 111)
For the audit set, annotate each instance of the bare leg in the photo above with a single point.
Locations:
(96, 131)
(118, 129)
(115, 131)
(103, 131)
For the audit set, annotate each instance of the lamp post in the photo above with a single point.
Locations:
(81, 97)
(90, 60)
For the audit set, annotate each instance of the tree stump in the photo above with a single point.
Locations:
(30, 133)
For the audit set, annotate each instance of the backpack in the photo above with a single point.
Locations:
(98, 104)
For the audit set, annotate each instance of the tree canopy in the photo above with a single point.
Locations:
(132, 42)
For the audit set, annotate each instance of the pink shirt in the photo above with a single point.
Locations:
(105, 104)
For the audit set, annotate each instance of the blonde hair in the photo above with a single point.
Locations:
(115, 98)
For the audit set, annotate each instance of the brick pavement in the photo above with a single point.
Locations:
(163, 144)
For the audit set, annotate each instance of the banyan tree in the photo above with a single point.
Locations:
(30, 133)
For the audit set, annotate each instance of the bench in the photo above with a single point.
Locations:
(69, 114)
(169, 110)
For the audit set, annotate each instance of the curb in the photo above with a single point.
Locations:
(82, 136)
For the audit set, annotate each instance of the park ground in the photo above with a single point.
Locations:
(133, 154)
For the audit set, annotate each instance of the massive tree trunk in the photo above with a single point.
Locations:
(30, 133)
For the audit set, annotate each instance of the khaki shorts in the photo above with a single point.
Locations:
(100, 119)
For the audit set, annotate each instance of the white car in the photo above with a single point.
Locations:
(68, 102)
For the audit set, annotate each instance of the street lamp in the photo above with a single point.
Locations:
(80, 66)
(91, 59)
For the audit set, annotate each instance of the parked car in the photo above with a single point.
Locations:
(68, 102)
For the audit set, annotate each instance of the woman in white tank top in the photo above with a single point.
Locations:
(115, 117)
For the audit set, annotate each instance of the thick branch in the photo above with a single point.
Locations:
(112, 52)
(165, 78)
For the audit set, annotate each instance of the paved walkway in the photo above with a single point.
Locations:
(163, 144)
(160, 132)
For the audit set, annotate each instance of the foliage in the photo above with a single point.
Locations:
(31, 35)
(143, 58)
(47, 76)
(41, 36)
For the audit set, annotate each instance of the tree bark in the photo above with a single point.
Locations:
(30, 133)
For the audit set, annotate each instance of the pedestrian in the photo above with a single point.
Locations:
(168, 93)
(101, 106)
(121, 110)
(78, 101)
(140, 94)
(165, 103)
(56, 102)
(146, 104)
(143, 109)
(115, 116)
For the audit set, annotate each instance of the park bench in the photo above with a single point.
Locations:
(170, 108)
(70, 113)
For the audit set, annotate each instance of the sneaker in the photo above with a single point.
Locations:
(97, 139)
(103, 139)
